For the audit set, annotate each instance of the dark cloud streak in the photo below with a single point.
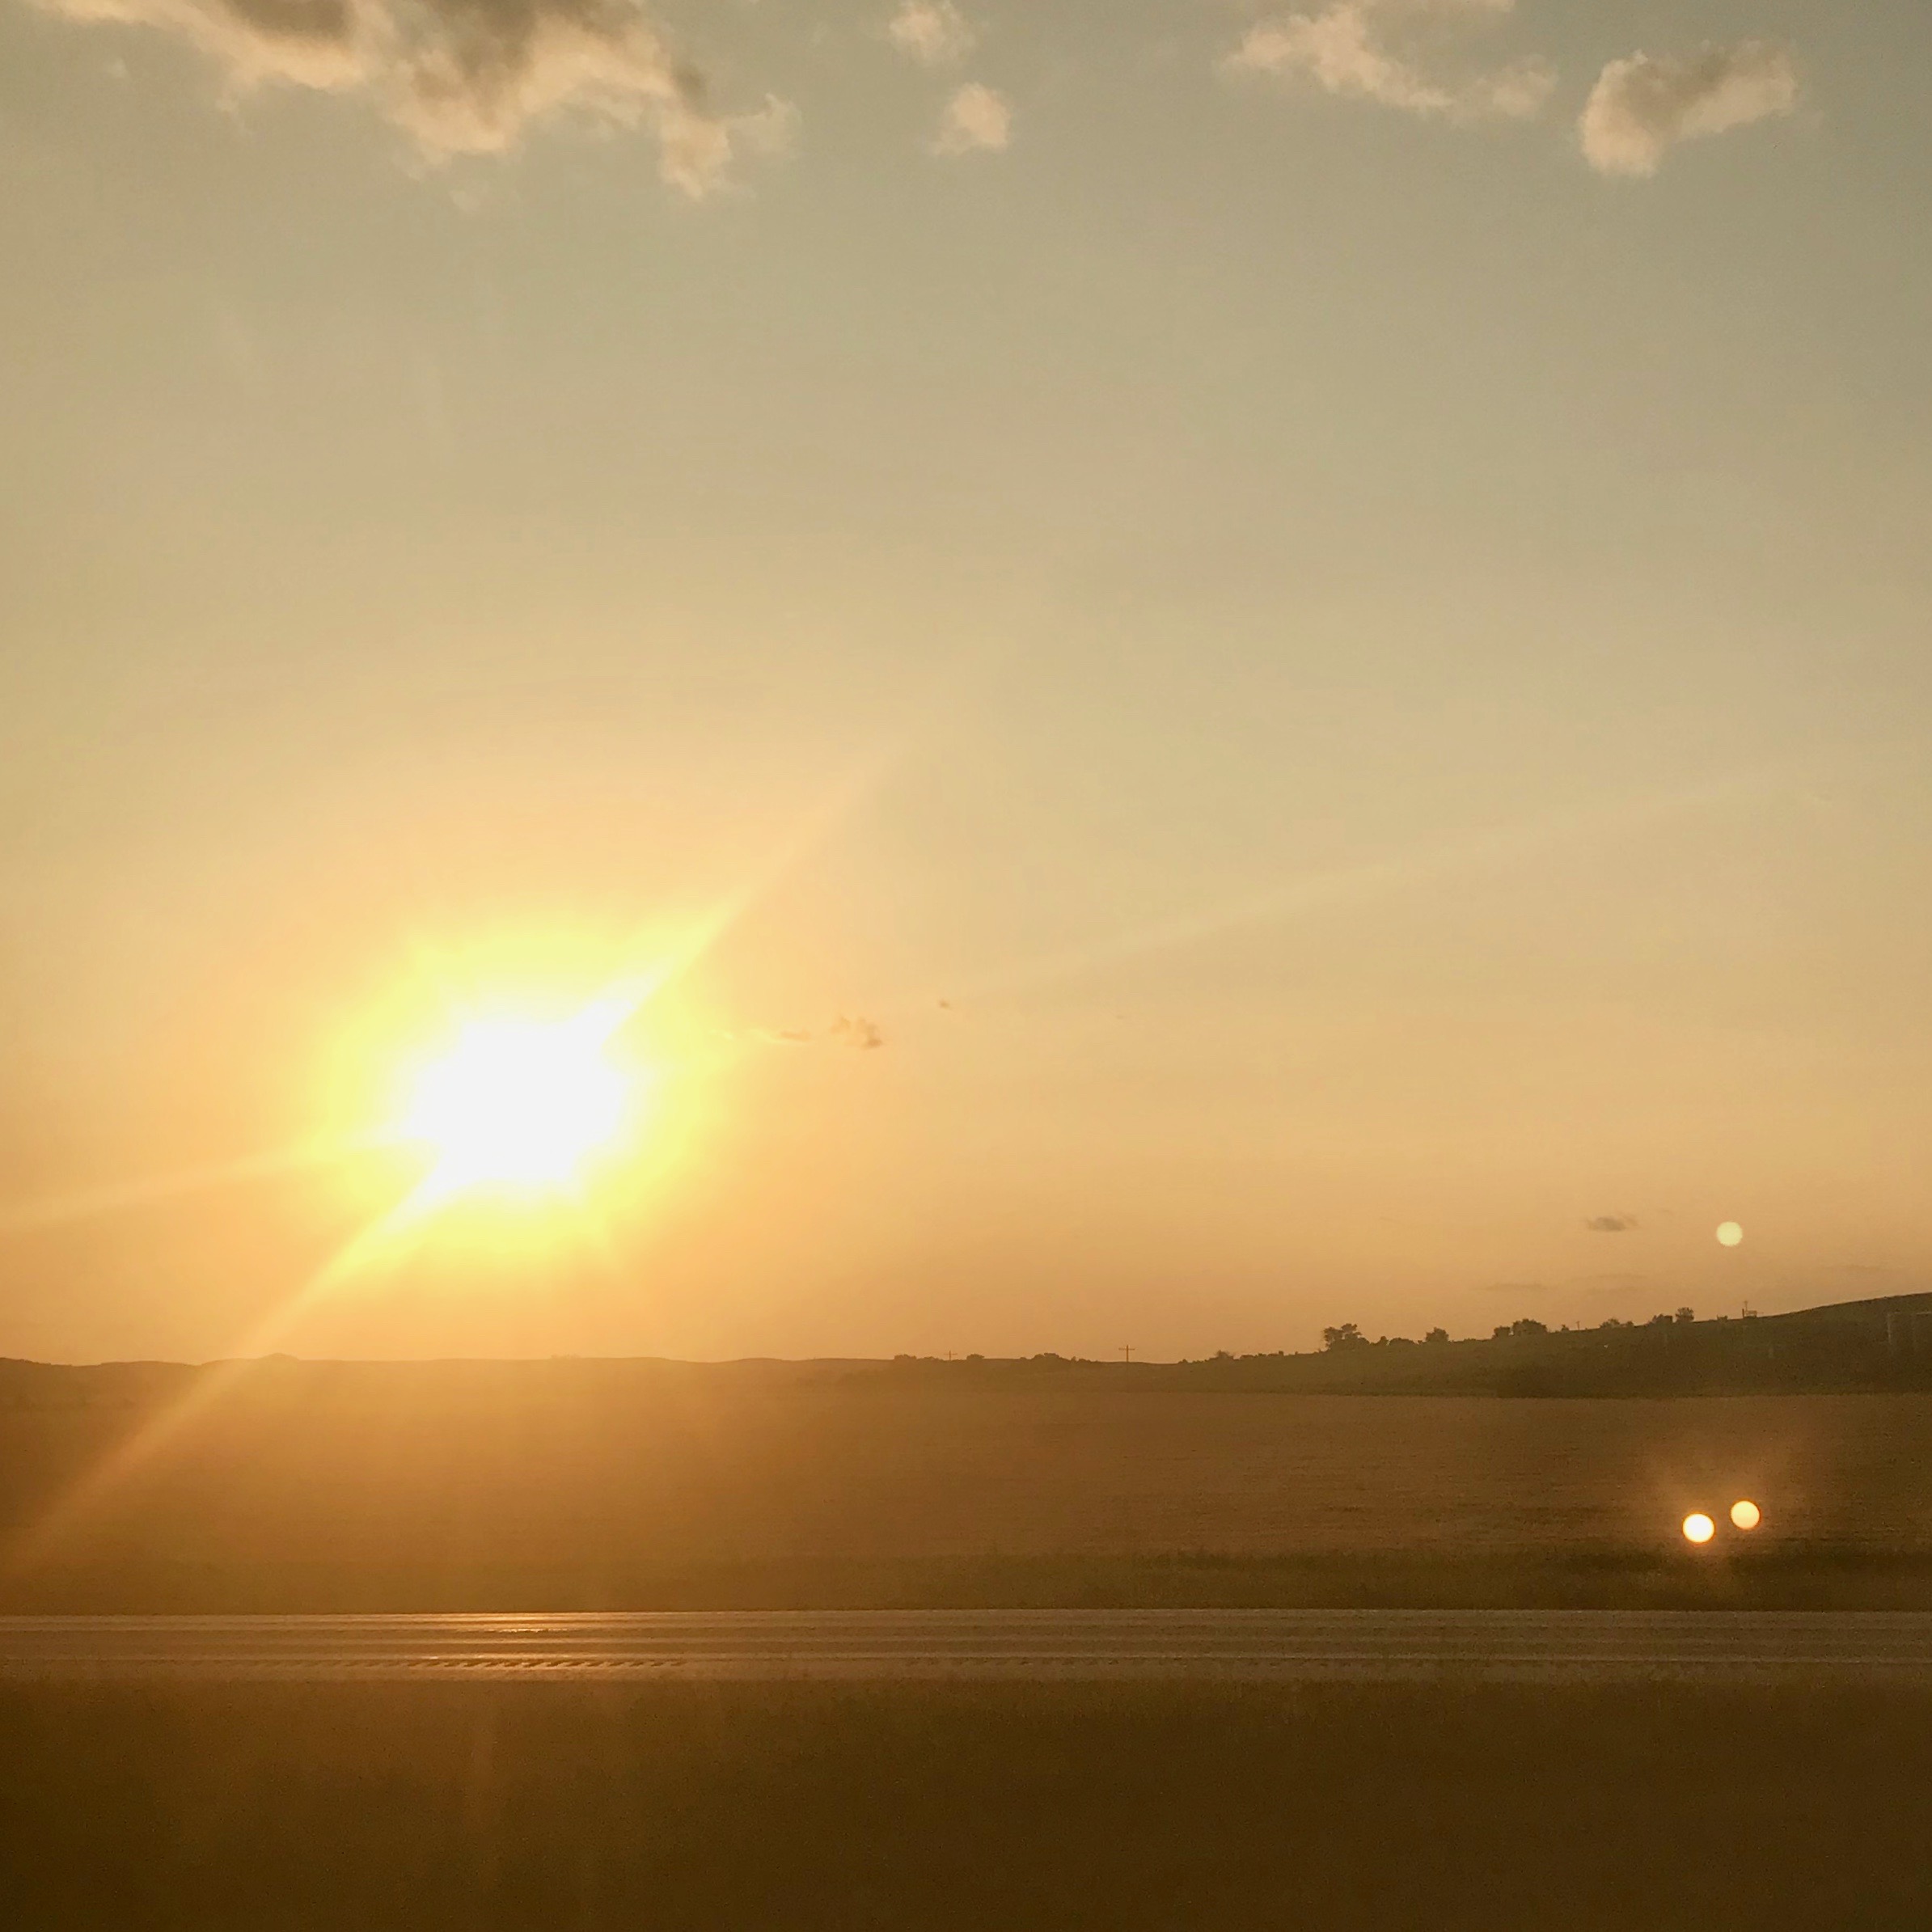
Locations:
(468, 77)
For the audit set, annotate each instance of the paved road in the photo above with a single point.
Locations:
(1039, 1645)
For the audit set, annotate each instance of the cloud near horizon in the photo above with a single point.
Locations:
(848, 1029)
(1385, 51)
(977, 120)
(1611, 1223)
(1642, 106)
(468, 77)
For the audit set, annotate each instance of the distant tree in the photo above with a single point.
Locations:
(1687, 1314)
(1528, 1324)
(1658, 1322)
(1437, 1334)
(1502, 1332)
(1612, 1323)
(1348, 1335)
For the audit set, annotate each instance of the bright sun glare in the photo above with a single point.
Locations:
(519, 1104)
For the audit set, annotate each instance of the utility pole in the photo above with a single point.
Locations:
(1127, 1352)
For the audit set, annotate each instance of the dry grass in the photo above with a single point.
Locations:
(602, 1477)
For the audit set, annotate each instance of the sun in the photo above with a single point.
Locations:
(519, 1105)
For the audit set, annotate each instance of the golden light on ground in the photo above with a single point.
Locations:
(1729, 1234)
(1698, 1528)
(1746, 1515)
(512, 1102)
(519, 1105)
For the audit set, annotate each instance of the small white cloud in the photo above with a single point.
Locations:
(1516, 92)
(933, 32)
(772, 130)
(1385, 51)
(1641, 107)
(976, 120)
(1336, 50)
(466, 76)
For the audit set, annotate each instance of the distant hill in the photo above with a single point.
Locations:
(1883, 1344)
(1846, 1346)
(26, 1384)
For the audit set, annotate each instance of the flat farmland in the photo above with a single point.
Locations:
(600, 1485)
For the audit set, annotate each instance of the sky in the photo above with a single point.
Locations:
(1229, 668)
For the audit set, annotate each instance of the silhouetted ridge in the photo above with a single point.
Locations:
(1884, 1343)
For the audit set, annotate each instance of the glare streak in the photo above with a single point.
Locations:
(1351, 884)
(125, 1197)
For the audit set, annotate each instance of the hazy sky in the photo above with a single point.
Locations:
(1348, 590)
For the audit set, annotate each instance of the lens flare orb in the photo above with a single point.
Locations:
(1746, 1515)
(1730, 1233)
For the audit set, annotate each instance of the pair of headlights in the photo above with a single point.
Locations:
(1699, 1528)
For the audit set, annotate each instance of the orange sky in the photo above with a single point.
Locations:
(1256, 665)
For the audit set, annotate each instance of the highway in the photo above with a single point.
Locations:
(880, 1646)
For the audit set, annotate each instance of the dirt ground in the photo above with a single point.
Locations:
(1351, 1809)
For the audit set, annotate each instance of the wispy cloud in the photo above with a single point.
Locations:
(976, 120)
(466, 76)
(848, 1029)
(1389, 51)
(933, 32)
(1611, 1223)
(1641, 107)
(1375, 879)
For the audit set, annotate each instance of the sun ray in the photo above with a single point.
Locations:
(126, 1197)
(498, 1072)
(388, 1239)
(1489, 848)
(385, 1239)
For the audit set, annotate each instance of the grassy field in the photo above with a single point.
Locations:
(798, 1807)
(514, 1808)
(611, 1484)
